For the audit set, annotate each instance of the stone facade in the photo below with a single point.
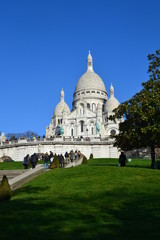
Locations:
(86, 127)
(91, 109)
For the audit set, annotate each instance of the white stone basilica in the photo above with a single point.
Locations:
(86, 127)
(91, 108)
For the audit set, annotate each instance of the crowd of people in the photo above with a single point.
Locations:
(66, 159)
(49, 158)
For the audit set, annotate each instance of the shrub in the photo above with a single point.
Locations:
(55, 163)
(5, 190)
(85, 161)
(91, 156)
(5, 159)
(52, 166)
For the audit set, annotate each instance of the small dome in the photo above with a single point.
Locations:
(112, 102)
(61, 106)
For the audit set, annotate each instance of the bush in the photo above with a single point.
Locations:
(91, 156)
(85, 161)
(5, 159)
(52, 166)
(5, 190)
(55, 163)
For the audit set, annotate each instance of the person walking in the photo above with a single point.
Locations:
(26, 161)
(51, 157)
(72, 156)
(79, 154)
(67, 157)
(34, 160)
(62, 161)
(46, 160)
(76, 155)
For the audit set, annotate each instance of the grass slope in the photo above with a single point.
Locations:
(11, 165)
(94, 201)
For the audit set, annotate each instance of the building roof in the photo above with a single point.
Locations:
(90, 80)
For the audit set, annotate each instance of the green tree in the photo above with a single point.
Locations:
(141, 113)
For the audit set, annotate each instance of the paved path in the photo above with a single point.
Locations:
(18, 177)
(74, 163)
(11, 173)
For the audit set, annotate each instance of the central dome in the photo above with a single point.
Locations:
(90, 80)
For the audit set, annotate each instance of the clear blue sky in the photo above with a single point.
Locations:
(44, 46)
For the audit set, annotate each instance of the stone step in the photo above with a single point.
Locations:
(74, 163)
(17, 181)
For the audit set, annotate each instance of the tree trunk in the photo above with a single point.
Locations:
(153, 156)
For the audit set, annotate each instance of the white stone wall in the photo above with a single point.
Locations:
(99, 149)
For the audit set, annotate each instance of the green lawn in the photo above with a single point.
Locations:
(94, 201)
(15, 165)
(11, 165)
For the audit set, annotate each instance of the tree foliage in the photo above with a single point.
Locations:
(28, 134)
(141, 113)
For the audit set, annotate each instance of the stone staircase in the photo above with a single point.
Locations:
(17, 181)
(17, 178)
(75, 163)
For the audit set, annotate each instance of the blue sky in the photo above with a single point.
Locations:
(44, 45)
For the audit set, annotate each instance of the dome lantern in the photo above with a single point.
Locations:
(111, 90)
(62, 95)
(89, 62)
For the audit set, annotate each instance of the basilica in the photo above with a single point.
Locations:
(88, 118)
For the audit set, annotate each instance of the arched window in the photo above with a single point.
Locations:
(59, 121)
(88, 105)
(93, 107)
(72, 132)
(82, 126)
(81, 111)
(92, 130)
(113, 132)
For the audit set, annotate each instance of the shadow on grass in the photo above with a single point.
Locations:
(111, 215)
(102, 165)
(116, 165)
